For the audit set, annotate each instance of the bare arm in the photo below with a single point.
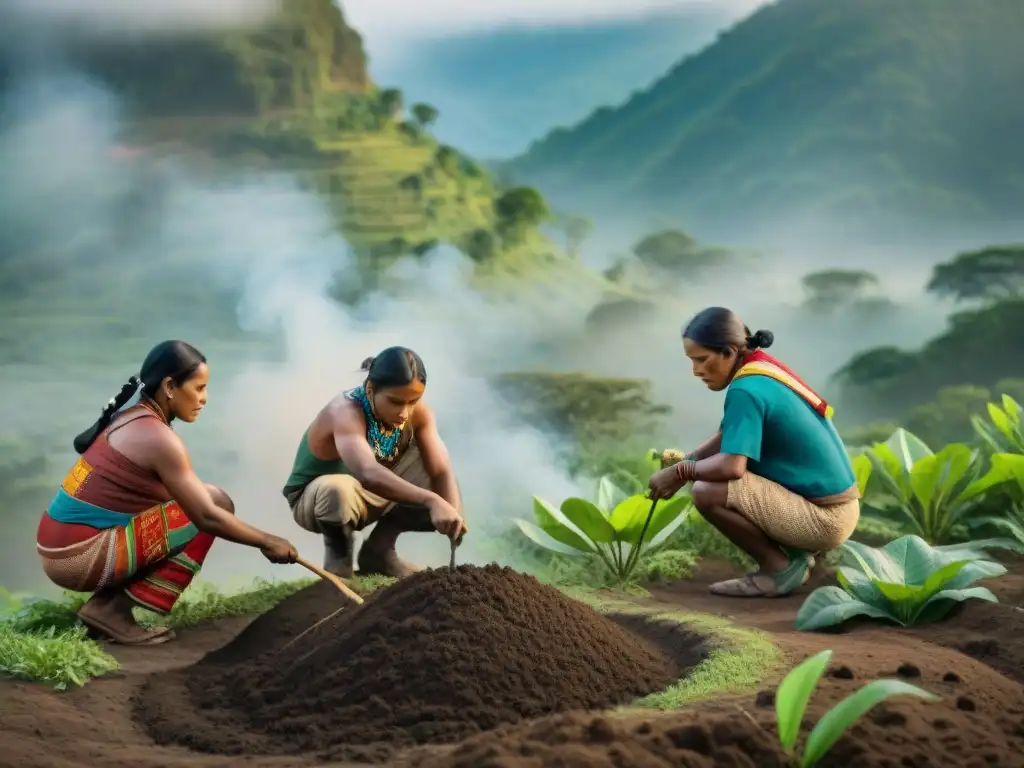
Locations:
(172, 464)
(708, 448)
(435, 458)
(721, 467)
(356, 454)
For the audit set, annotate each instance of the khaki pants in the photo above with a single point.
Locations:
(813, 525)
(338, 500)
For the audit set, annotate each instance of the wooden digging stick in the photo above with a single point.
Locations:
(335, 580)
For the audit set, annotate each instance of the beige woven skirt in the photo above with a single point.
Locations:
(814, 525)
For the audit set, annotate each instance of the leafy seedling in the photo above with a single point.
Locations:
(795, 692)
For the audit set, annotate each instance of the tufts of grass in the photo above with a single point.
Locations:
(56, 657)
(739, 662)
(744, 658)
(203, 602)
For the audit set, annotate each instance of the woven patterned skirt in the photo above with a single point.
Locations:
(155, 556)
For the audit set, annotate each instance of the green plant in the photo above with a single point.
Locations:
(1003, 432)
(26, 613)
(795, 692)
(1005, 512)
(906, 581)
(617, 528)
(932, 493)
(58, 658)
(665, 565)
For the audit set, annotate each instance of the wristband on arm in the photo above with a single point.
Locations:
(686, 471)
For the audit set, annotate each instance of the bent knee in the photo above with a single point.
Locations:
(221, 498)
(337, 498)
(707, 495)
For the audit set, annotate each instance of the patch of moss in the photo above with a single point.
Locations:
(740, 661)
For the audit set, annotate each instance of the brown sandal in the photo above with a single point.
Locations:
(154, 636)
(751, 585)
(758, 584)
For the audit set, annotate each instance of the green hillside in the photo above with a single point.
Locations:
(295, 95)
(865, 108)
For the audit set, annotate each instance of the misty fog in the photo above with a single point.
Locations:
(131, 237)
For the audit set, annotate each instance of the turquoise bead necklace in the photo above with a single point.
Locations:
(384, 441)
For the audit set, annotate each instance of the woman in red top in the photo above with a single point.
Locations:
(132, 523)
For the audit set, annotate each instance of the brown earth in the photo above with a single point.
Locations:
(436, 658)
(974, 661)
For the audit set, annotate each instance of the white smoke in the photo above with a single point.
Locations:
(117, 17)
(279, 246)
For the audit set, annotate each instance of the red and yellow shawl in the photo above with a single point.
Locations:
(760, 363)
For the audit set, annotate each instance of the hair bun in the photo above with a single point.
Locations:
(761, 340)
(367, 363)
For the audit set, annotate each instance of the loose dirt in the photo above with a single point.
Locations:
(438, 657)
(974, 661)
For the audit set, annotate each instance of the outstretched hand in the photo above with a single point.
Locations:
(278, 550)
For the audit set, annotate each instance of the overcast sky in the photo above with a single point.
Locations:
(385, 21)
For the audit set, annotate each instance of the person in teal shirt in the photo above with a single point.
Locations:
(776, 478)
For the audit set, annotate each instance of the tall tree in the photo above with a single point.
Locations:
(389, 103)
(576, 229)
(831, 288)
(520, 209)
(989, 274)
(425, 114)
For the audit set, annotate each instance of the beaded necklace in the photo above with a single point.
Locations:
(384, 441)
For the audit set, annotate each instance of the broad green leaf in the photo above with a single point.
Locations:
(589, 519)
(628, 517)
(844, 714)
(915, 557)
(666, 513)
(909, 449)
(609, 493)
(859, 586)
(1001, 421)
(973, 571)
(925, 479)
(862, 471)
(947, 574)
(877, 564)
(896, 486)
(987, 433)
(537, 536)
(978, 548)
(793, 694)
(548, 521)
(1011, 527)
(898, 593)
(1005, 468)
(889, 472)
(957, 460)
(1012, 408)
(829, 606)
(942, 602)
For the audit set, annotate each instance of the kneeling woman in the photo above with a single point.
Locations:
(132, 523)
(373, 455)
(776, 479)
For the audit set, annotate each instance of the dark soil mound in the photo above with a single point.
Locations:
(989, 632)
(281, 623)
(903, 732)
(439, 656)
